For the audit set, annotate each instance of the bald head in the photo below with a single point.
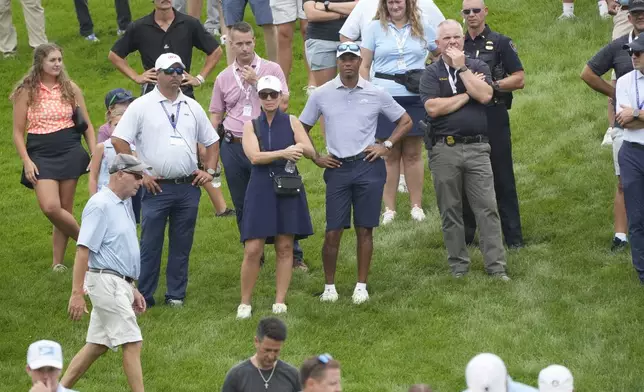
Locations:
(420, 388)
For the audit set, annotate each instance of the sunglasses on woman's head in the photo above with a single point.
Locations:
(351, 47)
(266, 94)
(470, 10)
(170, 71)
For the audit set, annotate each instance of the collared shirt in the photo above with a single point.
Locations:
(471, 118)
(514, 386)
(108, 230)
(365, 10)
(172, 153)
(350, 114)
(626, 94)
(49, 112)
(229, 98)
(384, 44)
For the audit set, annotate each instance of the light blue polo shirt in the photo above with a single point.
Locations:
(350, 114)
(108, 230)
(382, 42)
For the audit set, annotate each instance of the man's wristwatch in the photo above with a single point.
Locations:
(200, 79)
(326, 5)
(212, 172)
(463, 68)
(388, 144)
(636, 113)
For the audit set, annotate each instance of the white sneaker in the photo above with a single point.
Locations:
(243, 311)
(388, 216)
(402, 185)
(417, 214)
(360, 296)
(329, 296)
(279, 308)
(608, 137)
(566, 16)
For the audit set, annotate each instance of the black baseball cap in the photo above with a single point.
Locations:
(635, 5)
(120, 95)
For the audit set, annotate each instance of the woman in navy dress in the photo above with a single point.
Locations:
(268, 217)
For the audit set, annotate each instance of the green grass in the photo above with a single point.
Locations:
(571, 301)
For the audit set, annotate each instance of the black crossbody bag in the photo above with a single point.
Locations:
(409, 79)
(285, 184)
(80, 124)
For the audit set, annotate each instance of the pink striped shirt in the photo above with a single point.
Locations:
(49, 112)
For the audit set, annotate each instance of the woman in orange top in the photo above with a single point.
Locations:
(53, 156)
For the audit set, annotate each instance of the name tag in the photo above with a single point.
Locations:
(401, 64)
(176, 141)
(248, 110)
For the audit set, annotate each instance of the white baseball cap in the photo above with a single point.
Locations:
(348, 47)
(269, 82)
(45, 353)
(555, 378)
(167, 60)
(486, 373)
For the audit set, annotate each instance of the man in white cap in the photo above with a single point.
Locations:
(166, 126)
(44, 364)
(487, 373)
(556, 378)
(108, 261)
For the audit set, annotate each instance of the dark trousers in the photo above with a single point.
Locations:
(237, 168)
(631, 168)
(504, 184)
(123, 16)
(136, 205)
(178, 204)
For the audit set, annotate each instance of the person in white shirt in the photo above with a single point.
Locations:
(556, 378)
(44, 365)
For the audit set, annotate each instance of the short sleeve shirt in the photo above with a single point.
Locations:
(626, 94)
(327, 31)
(108, 230)
(350, 114)
(245, 377)
(612, 56)
(49, 112)
(389, 45)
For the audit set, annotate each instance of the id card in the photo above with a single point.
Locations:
(176, 141)
(248, 111)
(401, 64)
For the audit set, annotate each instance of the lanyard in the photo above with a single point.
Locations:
(400, 40)
(247, 90)
(640, 105)
(452, 80)
(172, 119)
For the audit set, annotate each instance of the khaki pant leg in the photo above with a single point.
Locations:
(446, 165)
(479, 187)
(8, 37)
(35, 21)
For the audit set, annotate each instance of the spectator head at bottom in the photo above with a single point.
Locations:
(556, 378)
(321, 373)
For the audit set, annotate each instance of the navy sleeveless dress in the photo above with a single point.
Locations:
(265, 213)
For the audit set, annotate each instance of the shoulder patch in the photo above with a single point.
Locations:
(513, 46)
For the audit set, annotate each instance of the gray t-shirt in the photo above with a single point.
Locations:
(245, 378)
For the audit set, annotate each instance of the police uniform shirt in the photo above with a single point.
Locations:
(471, 118)
(494, 48)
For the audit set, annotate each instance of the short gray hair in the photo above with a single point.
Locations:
(447, 22)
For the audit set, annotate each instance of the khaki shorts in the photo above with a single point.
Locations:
(321, 54)
(287, 11)
(113, 321)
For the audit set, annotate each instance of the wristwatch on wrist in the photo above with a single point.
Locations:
(212, 172)
(326, 5)
(388, 144)
(200, 79)
(636, 113)
(463, 68)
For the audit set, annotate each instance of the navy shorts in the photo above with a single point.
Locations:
(414, 108)
(356, 184)
(234, 11)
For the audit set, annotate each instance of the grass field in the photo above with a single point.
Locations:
(570, 301)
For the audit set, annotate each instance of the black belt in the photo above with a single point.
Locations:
(451, 140)
(635, 145)
(180, 180)
(381, 75)
(230, 138)
(357, 157)
(111, 272)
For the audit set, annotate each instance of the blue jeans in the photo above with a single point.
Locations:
(237, 169)
(178, 203)
(631, 166)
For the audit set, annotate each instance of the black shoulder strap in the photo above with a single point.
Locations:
(259, 136)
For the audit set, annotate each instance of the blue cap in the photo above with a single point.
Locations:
(118, 95)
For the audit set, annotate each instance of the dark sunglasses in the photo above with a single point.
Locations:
(137, 176)
(265, 94)
(351, 47)
(632, 52)
(325, 358)
(469, 11)
(170, 71)
(121, 96)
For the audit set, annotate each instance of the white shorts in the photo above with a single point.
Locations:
(618, 139)
(287, 11)
(112, 322)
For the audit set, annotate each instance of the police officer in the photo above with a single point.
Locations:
(500, 54)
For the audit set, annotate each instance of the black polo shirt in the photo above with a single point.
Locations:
(469, 120)
(612, 56)
(149, 39)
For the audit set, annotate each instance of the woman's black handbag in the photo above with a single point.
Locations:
(409, 79)
(284, 184)
(80, 124)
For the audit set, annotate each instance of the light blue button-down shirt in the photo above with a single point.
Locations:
(514, 386)
(384, 46)
(109, 232)
(350, 114)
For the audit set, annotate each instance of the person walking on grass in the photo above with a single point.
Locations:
(44, 103)
(44, 365)
(108, 261)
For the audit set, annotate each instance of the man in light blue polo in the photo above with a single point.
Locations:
(355, 173)
(108, 261)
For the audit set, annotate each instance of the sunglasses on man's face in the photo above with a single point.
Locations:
(137, 176)
(170, 71)
(634, 53)
(265, 94)
(470, 10)
(351, 47)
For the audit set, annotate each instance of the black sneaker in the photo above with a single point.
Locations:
(227, 212)
(618, 245)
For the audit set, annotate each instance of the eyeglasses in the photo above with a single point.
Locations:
(635, 53)
(469, 11)
(325, 358)
(120, 96)
(137, 176)
(349, 47)
(265, 94)
(170, 71)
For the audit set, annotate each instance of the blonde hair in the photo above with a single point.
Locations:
(412, 14)
(31, 81)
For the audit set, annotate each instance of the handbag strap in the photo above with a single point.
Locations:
(259, 136)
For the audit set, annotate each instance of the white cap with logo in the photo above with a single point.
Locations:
(269, 82)
(45, 353)
(486, 373)
(555, 378)
(167, 60)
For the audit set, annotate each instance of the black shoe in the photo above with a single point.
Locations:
(618, 245)
(227, 212)
(516, 246)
